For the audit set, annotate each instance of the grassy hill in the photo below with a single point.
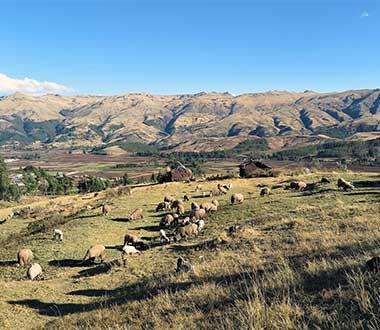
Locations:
(296, 263)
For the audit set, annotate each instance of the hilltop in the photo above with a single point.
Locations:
(203, 121)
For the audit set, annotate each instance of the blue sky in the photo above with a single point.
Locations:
(169, 47)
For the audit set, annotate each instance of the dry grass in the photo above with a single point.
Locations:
(297, 263)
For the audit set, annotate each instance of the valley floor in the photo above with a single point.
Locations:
(297, 262)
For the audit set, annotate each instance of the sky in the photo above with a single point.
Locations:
(175, 47)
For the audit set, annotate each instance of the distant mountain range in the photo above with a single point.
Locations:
(203, 121)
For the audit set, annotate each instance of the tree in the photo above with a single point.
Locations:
(4, 179)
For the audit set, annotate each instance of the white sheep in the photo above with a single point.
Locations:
(58, 233)
(200, 224)
(164, 239)
(130, 249)
(34, 270)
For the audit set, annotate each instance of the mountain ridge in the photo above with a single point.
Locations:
(201, 121)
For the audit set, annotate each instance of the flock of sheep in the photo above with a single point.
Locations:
(181, 223)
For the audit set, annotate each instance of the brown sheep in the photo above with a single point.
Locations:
(298, 185)
(169, 199)
(345, 185)
(176, 203)
(106, 209)
(209, 207)
(265, 192)
(136, 215)
(167, 220)
(197, 214)
(163, 206)
(216, 192)
(181, 209)
(24, 256)
(215, 202)
(95, 251)
(188, 230)
(237, 198)
(130, 238)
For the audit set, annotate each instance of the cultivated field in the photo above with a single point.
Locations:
(296, 263)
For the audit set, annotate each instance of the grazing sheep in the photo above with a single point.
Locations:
(325, 180)
(265, 192)
(184, 265)
(302, 186)
(194, 206)
(58, 233)
(200, 224)
(167, 220)
(176, 203)
(227, 186)
(130, 238)
(128, 249)
(95, 251)
(106, 209)
(136, 215)
(215, 202)
(169, 199)
(181, 209)
(197, 214)
(164, 239)
(237, 198)
(163, 206)
(345, 185)
(222, 189)
(209, 207)
(298, 185)
(198, 188)
(34, 271)
(186, 198)
(186, 221)
(24, 256)
(188, 230)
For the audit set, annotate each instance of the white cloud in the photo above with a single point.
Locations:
(10, 85)
(364, 14)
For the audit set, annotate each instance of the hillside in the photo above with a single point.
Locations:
(203, 121)
(297, 262)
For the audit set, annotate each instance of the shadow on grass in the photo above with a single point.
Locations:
(102, 268)
(115, 247)
(361, 193)
(307, 290)
(149, 228)
(88, 216)
(8, 263)
(119, 219)
(366, 184)
(70, 263)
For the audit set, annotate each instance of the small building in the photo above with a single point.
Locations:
(177, 173)
(254, 168)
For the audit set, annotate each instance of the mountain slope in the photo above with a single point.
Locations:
(202, 121)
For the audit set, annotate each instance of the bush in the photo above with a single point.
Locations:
(93, 184)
